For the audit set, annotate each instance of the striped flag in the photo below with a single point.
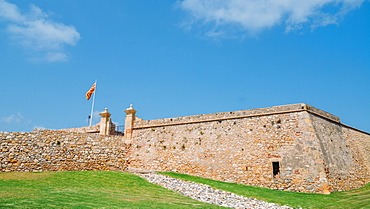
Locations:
(91, 90)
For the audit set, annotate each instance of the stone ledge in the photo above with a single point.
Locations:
(284, 109)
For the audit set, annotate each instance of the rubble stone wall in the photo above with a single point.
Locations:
(86, 129)
(48, 150)
(359, 144)
(291, 147)
(345, 164)
(242, 147)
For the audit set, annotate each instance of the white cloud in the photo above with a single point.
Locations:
(39, 127)
(13, 119)
(254, 16)
(55, 56)
(35, 31)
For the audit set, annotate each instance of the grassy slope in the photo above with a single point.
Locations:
(87, 189)
(101, 189)
(359, 198)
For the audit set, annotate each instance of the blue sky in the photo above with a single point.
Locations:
(178, 58)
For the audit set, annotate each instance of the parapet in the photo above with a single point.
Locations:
(236, 114)
(322, 113)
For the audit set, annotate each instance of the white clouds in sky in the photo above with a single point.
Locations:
(257, 15)
(17, 122)
(39, 127)
(37, 32)
(18, 118)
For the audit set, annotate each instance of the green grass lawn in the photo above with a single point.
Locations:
(87, 189)
(108, 189)
(359, 198)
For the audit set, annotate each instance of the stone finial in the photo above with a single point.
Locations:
(105, 122)
(105, 113)
(129, 124)
(130, 110)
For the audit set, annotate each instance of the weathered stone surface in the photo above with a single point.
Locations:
(310, 146)
(311, 150)
(60, 150)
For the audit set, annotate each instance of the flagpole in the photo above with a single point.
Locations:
(93, 102)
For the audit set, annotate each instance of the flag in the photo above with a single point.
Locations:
(91, 90)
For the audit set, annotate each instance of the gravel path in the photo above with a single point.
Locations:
(205, 193)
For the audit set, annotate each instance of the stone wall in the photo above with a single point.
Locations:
(345, 167)
(242, 146)
(359, 144)
(47, 150)
(93, 129)
(86, 129)
(310, 149)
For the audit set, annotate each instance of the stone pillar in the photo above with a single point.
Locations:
(129, 124)
(105, 123)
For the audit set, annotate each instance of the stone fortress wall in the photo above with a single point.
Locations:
(291, 147)
(309, 148)
(53, 150)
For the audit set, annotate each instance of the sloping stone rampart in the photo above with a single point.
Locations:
(345, 164)
(309, 148)
(235, 150)
(241, 147)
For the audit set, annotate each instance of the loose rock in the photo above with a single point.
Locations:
(205, 193)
